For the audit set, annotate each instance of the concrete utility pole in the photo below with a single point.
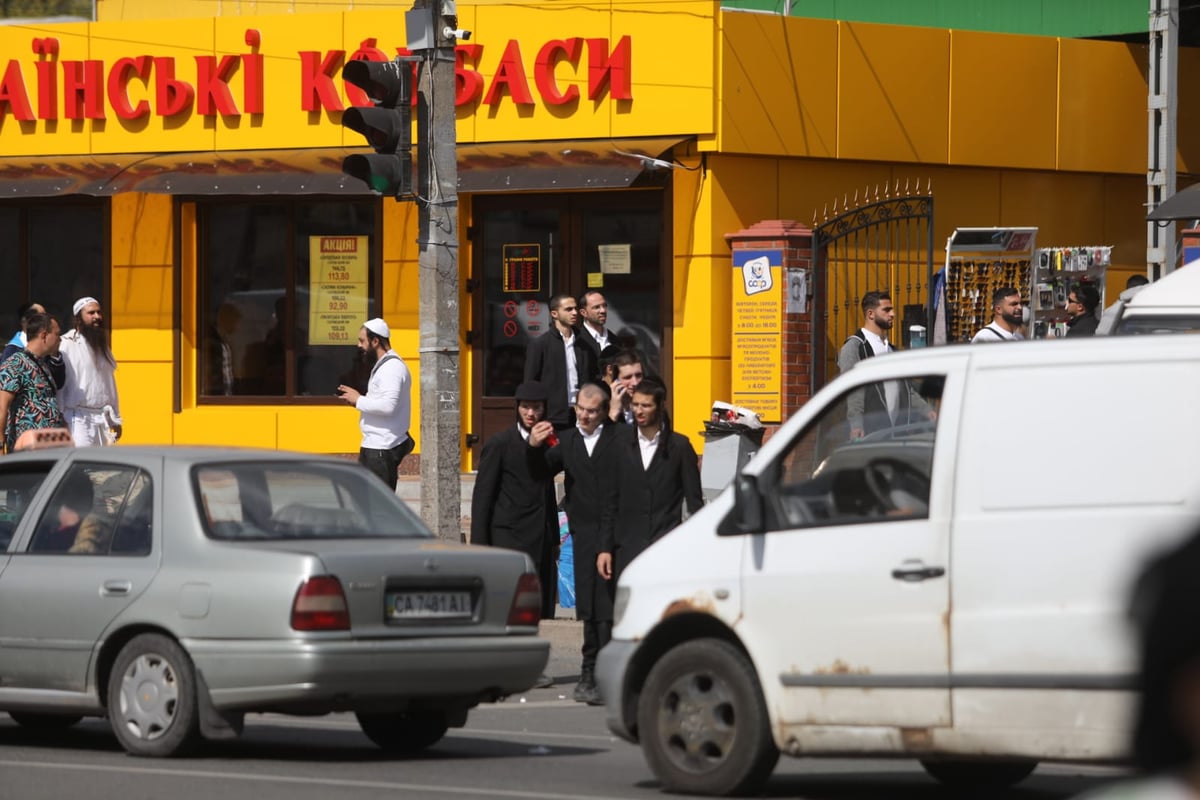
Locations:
(433, 23)
(1164, 111)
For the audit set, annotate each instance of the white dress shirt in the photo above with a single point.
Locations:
(385, 411)
(91, 380)
(601, 337)
(590, 439)
(649, 447)
(891, 389)
(572, 370)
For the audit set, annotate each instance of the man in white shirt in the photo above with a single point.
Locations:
(385, 411)
(89, 394)
(594, 310)
(1007, 318)
(882, 405)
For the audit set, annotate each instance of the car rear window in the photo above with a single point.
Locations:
(269, 500)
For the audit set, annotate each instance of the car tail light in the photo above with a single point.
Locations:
(320, 605)
(526, 608)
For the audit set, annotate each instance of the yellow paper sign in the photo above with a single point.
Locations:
(758, 333)
(595, 280)
(339, 268)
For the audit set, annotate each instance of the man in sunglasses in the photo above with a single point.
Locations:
(1081, 306)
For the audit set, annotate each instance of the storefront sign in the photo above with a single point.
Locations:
(616, 259)
(758, 332)
(136, 87)
(338, 274)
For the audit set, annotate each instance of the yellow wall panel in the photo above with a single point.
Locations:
(243, 426)
(745, 190)
(1188, 143)
(143, 344)
(811, 189)
(322, 429)
(1066, 207)
(141, 305)
(144, 389)
(702, 319)
(894, 93)
(1124, 225)
(1102, 117)
(697, 383)
(1009, 121)
(792, 112)
(142, 229)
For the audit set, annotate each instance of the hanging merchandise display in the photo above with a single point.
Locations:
(1057, 271)
(978, 262)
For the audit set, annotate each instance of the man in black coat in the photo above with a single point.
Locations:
(587, 453)
(561, 361)
(513, 502)
(657, 472)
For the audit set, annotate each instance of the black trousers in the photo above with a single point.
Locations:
(596, 634)
(386, 463)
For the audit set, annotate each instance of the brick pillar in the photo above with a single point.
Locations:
(799, 328)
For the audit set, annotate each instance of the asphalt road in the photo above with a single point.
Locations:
(534, 747)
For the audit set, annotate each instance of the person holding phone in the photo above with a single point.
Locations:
(624, 373)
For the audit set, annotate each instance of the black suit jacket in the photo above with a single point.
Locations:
(513, 506)
(650, 501)
(591, 504)
(546, 362)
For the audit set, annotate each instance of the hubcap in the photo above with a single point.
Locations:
(149, 692)
(697, 722)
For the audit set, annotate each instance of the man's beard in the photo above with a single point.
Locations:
(97, 339)
(369, 357)
(1013, 319)
(884, 324)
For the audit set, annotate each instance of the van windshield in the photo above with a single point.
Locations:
(869, 456)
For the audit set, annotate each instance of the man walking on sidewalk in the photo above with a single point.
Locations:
(587, 454)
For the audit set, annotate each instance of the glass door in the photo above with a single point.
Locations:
(530, 248)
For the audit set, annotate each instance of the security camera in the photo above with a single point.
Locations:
(456, 33)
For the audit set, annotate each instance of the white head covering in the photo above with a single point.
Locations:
(378, 327)
(83, 303)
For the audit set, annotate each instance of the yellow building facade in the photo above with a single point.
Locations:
(763, 117)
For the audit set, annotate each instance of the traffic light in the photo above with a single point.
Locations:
(387, 125)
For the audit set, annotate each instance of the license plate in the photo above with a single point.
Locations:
(429, 605)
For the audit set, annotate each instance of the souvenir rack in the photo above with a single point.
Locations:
(1057, 270)
(978, 262)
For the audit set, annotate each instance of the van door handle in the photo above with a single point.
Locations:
(116, 588)
(913, 571)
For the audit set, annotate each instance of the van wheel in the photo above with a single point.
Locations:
(402, 733)
(702, 721)
(152, 697)
(979, 774)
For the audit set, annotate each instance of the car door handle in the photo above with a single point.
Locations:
(913, 571)
(116, 588)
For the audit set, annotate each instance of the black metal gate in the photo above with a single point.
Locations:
(884, 243)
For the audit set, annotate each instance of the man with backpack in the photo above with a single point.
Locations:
(881, 405)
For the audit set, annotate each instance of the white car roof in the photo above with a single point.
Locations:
(1179, 289)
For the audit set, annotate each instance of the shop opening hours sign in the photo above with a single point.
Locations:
(522, 270)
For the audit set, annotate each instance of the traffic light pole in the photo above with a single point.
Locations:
(437, 202)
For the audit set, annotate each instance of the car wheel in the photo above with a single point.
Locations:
(702, 721)
(44, 722)
(979, 774)
(404, 732)
(152, 697)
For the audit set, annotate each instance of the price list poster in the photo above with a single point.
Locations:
(758, 332)
(338, 272)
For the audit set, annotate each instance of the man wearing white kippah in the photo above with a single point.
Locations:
(89, 396)
(386, 409)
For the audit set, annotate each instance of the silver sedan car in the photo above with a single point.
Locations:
(173, 590)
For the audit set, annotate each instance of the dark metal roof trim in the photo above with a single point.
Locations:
(497, 167)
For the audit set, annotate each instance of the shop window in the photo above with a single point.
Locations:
(51, 253)
(284, 287)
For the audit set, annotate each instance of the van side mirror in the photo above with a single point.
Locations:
(747, 514)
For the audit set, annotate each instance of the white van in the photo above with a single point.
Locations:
(953, 591)
(1169, 305)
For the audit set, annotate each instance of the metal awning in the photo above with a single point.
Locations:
(1184, 204)
(493, 167)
